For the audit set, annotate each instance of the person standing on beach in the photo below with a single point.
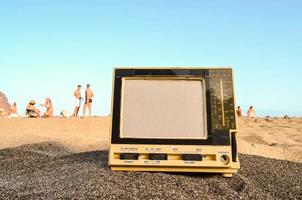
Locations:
(239, 111)
(78, 100)
(88, 100)
(251, 112)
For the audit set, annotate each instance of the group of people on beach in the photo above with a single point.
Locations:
(33, 112)
(78, 100)
(250, 112)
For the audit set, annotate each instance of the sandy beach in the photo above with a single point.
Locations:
(67, 158)
(277, 138)
(75, 134)
(190, 86)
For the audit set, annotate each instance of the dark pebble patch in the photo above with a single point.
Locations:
(48, 171)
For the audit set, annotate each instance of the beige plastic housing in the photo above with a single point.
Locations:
(140, 118)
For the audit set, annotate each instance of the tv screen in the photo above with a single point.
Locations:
(163, 108)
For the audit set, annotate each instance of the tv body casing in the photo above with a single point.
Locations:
(216, 149)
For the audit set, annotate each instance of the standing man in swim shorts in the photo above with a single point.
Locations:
(78, 100)
(88, 100)
(251, 112)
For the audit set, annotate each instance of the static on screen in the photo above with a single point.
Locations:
(162, 109)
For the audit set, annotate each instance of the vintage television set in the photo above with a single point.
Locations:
(173, 120)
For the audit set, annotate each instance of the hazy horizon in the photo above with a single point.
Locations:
(49, 47)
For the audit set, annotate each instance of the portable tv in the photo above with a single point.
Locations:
(173, 120)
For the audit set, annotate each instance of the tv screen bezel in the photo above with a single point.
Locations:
(215, 137)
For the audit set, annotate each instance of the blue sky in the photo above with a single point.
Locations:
(47, 47)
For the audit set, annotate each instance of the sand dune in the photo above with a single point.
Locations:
(76, 134)
(275, 138)
(67, 158)
(271, 137)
